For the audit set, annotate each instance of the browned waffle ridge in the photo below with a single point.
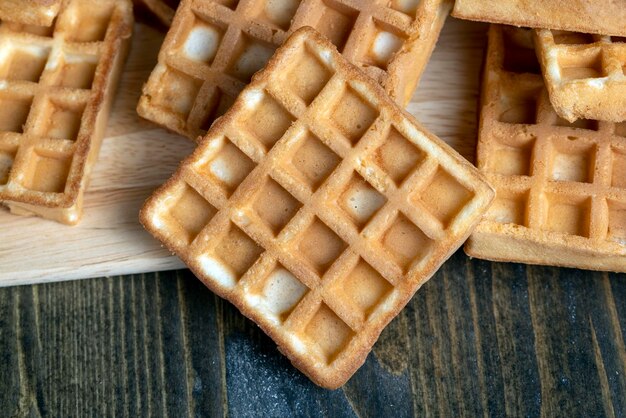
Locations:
(585, 74)
(561, 187)
(605, 17)
(56, 88)
(30, 12)
(317, 207)
(214, 47)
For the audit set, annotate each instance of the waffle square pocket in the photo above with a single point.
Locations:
(300, 209)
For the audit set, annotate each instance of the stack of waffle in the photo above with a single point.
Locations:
(552, 136)
(314, 202)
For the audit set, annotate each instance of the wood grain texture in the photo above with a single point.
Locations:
(479, 339)
(137, 156)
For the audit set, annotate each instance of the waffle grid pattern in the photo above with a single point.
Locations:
(557, 183)
(317, 236)
(585, 74)
(51, 93)
(214, 47)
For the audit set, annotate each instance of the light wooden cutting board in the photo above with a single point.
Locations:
(137, 156)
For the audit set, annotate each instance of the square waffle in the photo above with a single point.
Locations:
(214, 47)
(560, 186)
(585, 74)
(163, 9)
(30, 12)
(589, 16)
(317, 207)
(56, 88)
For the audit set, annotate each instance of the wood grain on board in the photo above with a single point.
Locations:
(478, 339)
(137, 156)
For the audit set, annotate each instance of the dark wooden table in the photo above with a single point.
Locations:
(479, 338)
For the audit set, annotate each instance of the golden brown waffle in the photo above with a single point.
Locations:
(214, 47)
(589, 16)
(585, 74)
(56, 88)
(30, 12)
(318, 207)
(163, 9)
(560, 187)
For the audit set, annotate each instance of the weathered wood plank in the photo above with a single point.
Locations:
(515, 340)
(9, 355)
(570, 317)
(203, 338)
(480, 338)
(489, 380)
